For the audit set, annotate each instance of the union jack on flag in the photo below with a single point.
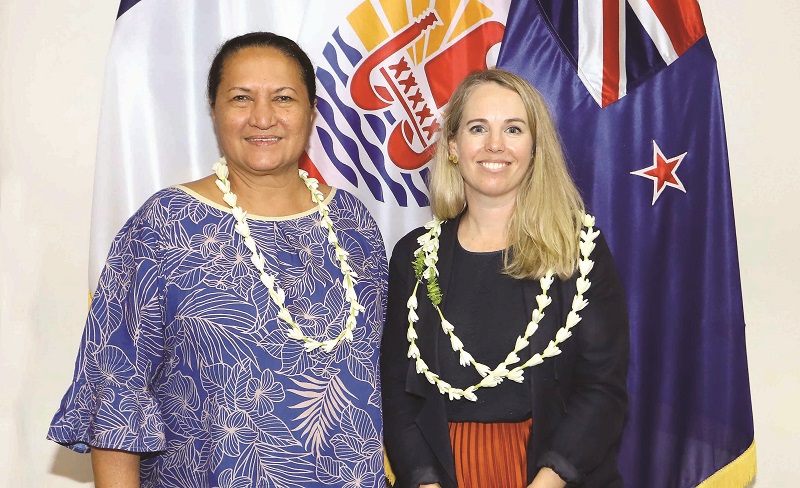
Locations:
(617, 44)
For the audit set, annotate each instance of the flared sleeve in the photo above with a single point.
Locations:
(110, 403)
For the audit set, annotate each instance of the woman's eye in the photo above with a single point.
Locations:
(514, 130)
(283, 99)
(477, 129)
(241, 98)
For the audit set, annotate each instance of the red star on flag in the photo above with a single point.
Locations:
(662, 172)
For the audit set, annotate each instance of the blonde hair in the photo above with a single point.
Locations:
(544, 227)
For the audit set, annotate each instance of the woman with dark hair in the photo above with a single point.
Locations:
(233, 337)
(505, 352)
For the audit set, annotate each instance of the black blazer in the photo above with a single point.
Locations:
(579, 397)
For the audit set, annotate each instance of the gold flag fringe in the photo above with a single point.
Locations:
(388, 467)
(736, 474)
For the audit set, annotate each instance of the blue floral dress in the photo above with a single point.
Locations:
(184, 360)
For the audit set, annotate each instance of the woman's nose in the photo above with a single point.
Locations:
(262, 115)
(494, 142)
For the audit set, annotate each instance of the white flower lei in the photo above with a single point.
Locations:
(426, 257)
(276, 293)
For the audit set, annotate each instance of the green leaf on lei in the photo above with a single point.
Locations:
(419, 265)
(434, 292)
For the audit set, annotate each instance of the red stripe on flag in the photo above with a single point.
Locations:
(308, 165)
(611, 64)
(682, 20)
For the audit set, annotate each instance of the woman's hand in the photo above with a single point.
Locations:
(115, 469)
(547, 478)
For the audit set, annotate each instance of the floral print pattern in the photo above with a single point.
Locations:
(183, 356)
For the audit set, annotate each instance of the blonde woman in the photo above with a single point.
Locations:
(505, 352)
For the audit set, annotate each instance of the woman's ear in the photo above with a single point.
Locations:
(313, 111)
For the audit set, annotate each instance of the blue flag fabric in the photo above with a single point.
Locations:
(649, 155)
(125, 5)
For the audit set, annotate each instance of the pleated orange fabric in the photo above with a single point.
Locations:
(491, 455)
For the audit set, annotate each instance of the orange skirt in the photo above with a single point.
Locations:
(491, 455)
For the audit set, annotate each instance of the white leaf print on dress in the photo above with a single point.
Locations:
(329, 470)
(358, 441)
(325, 400)
(109, 365)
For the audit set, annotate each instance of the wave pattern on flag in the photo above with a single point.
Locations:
(634, 88)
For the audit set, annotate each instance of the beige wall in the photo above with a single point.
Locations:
(758, 63)
(51, 75)
(51, 71)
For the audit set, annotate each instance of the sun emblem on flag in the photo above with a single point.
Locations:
(662, 172)
(385, 78)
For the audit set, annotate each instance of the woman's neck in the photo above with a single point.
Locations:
(271, 196)
(485, 227)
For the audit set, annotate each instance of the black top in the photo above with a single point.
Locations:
(488, 310)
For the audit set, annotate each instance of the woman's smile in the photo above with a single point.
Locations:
(494, 165)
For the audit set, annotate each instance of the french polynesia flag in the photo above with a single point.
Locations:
(634, 88)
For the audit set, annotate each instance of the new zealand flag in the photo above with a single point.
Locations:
(634, 88)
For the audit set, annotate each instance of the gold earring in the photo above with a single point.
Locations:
(453, 158)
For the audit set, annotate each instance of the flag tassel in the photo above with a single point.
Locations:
(390, 476)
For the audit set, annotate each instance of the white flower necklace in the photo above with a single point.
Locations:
(276, 293)
(425, 258)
